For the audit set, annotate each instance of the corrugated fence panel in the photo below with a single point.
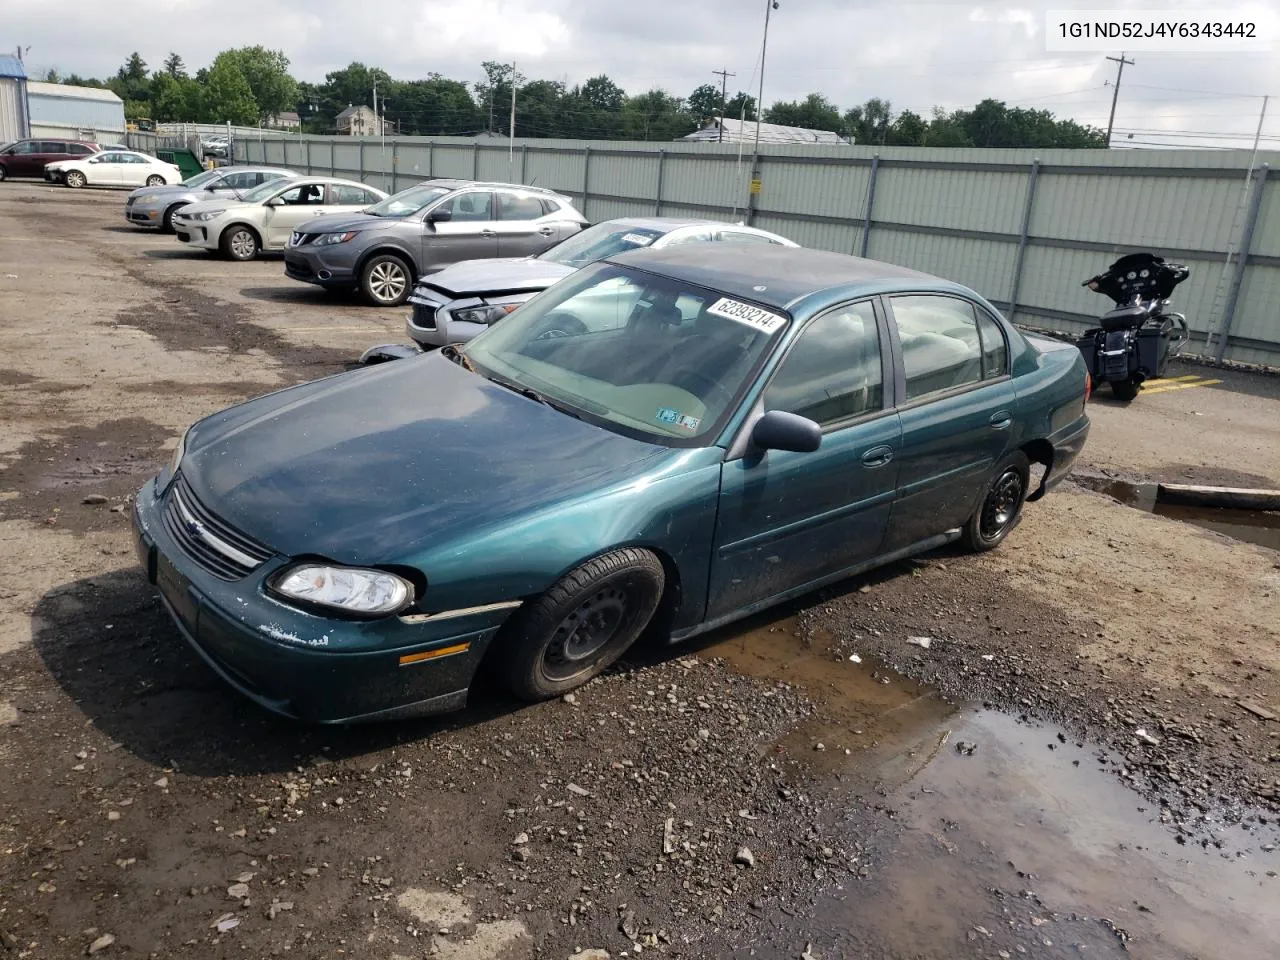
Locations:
(1137, 211)
(838, 190)
(692, 180)
(984, 265)
(321, 156)
(346, 160)
(1261, 288)
(1266, 235)
(838, 237)
(599, 208)
(962, 199)
(559, 171)
(634, 175)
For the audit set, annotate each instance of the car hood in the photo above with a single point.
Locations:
(372, 466)
(220, 203)
(173, 190)
(508, 274)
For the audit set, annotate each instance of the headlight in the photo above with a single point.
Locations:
(349, 589)
(147, 198)
(489, 313)
(205, 215)
(327, 238)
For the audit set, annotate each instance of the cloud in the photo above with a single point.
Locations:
(916, 55)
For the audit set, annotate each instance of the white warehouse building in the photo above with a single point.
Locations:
(75, 113)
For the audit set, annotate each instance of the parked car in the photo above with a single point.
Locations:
(113, 168)
(218, 146)
(460, 301)
(155, 206)
(264, 218)
(724, 427)
(27, 158)
(420, 230)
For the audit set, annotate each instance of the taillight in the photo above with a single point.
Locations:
(1088, 386)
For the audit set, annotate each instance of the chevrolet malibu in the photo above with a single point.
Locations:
(663, 442)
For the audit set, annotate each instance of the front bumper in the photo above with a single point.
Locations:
(327, 268)
(53, 176)
(301, 665)
(197, 234)
(143, 215)
(429, 323)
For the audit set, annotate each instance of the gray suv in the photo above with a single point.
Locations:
(387, 247)
(155, 206)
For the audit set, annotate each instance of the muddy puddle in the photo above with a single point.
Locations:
(998, 837)
(1261, 527)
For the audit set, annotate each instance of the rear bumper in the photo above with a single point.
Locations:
(1067, 444)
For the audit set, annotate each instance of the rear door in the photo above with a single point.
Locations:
(48, 151)
(470, 233)
(292, 208)
(522, 229)
(956, 409)
(135, 170)
(789, 519)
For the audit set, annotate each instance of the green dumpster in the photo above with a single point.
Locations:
(186, 161)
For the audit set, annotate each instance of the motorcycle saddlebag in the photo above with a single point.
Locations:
(1153, 349)
(1088, 347)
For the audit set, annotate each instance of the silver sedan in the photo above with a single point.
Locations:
(155, 206)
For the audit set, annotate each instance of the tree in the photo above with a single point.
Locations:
(493, 94)
(739, 104)
(228, 98)
(174, 67)
(175, 99)
(52, 76)
(704, 102)
(908, 129)
(814, 112)
(267, 73)
(655, 115)
(601, 93)
(131, 80)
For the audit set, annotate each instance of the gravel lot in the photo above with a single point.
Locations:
(1079, 759)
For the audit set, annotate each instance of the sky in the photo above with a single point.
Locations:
(915, 55)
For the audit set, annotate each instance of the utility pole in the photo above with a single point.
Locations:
(375, 98)
(769, 7)
(511, 130)
(1115, 94)
(724, 94)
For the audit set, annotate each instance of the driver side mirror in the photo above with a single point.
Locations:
(440, 215)
(779, 430)
(276, 202)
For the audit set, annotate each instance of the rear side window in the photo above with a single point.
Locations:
(995, 353)
(80, 150)
(351, 196)
(51, 146)
(513, 206)
(833, 371)
(739, 236)
(549, 206)
(941, 349)
(240, 181)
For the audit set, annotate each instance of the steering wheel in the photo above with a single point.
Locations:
(702, 387)
(560, 323)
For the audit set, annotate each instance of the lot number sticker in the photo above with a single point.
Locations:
(639, 239)
(753, 317)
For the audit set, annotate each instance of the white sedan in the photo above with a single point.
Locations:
(265, 217)
(114, 168)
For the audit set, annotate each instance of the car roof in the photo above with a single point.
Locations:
(787, 274)
(250, 168)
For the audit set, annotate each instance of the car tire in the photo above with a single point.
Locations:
(3, 173)
(1001, 506)
(166, 219)
(386, 280)
(74, 179)
(542, 650)
(239, 242)
(155, 180)
(1125, 390)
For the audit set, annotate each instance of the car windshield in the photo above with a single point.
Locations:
(408, 202)
(200, 179)
(645, 355)
(263, 191)
(596, 243)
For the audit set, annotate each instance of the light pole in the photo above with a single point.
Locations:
(769, 7)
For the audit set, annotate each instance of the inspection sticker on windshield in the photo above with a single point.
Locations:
(746, 313)
(677, 419)
(639, 239)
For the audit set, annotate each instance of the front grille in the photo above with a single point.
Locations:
(221, 550)
(300, 239)
(297, 267)
(425, 302)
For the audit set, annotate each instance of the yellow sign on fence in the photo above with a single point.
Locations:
(756, 185)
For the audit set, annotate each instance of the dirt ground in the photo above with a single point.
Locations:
(1078, 762)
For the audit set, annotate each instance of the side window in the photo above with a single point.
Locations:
(940, 345)
(51, 146)
(739, 236)
(27, 146)
(833, 371)
(307, 194)
(692, 236)
(239, 181)
(347, 195)
(79, 150)
(513, 206)
(995, 354)
(476, 205)
(549, 206)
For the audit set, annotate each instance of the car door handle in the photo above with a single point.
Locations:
(1001, 420)
(877, 456)
(317, 213)
(487, 233)
(548, 231)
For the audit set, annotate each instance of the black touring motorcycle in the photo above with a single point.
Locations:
(1134, 342)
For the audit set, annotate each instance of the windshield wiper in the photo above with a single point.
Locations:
(532, 394)
(451, 352)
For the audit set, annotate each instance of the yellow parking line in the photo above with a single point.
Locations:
(1170, 387)
(1194, 376)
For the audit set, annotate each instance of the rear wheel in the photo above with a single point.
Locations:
(74, 178)
(239, 243)
(155, 180)
(1124, 389)
(3, 173)
(1001, 505)
(582, 625)
(386, 280)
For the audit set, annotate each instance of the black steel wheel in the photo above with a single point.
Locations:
(1001, 505)
(582, 625)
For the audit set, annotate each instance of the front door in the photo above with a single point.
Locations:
(957, 413)
(522, 231)
(291, 208)
(105, 170)
(23, 159)
(470, 233)
(791, 519)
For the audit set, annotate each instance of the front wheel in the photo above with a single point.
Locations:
(240, 243)
(582, 625)
(155, 180)
(1125, 390)
(74, 179)
(386, 281)
(166, 221)
(1001, 504)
